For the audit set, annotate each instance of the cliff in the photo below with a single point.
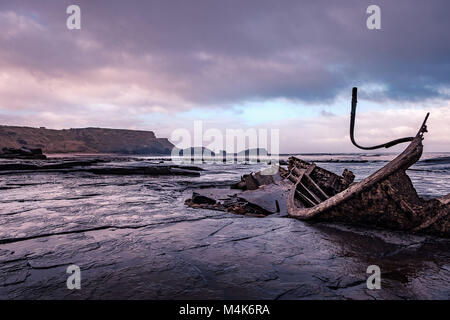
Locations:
(86, 140)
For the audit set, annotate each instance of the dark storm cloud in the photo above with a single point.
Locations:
(212, 52)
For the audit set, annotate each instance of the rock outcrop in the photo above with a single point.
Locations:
(21, 153)
(102, 165)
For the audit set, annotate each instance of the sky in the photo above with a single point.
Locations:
(286, 65)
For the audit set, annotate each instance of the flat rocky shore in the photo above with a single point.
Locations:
(133, 237)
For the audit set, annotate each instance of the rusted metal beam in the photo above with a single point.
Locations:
(305, 198)
(311, 181)
(316, 198)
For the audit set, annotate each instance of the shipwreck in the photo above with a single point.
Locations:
(305, 191)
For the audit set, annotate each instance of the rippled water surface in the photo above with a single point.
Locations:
(133, 237)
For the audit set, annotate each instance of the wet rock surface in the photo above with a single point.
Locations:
(105, 166)
(21, 153)
(134, 238)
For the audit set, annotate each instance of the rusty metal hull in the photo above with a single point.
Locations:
(386, 198)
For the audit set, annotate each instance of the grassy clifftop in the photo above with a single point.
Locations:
(86, 140)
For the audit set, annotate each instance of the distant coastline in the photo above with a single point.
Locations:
(85, 140)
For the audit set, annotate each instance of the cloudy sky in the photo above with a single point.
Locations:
(287, 65)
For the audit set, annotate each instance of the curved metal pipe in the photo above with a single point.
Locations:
(352, 128)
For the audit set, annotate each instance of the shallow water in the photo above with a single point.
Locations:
(133, 237)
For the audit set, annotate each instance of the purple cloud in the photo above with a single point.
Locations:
(214, 52)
